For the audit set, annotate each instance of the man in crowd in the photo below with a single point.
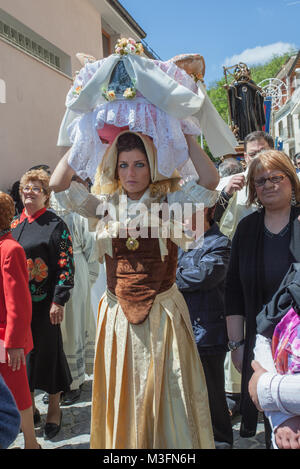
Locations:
(231, 207)
(297, 163)
(229, 167)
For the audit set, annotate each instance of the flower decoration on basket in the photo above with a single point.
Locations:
(129, 93)
(109, 95)
(128, 46)
(77, 91)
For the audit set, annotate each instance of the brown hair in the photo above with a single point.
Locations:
(37, 175)
(7, 211)
(271, 160)
(259, 135)
(128, 142)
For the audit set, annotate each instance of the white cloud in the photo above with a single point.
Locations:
(260, 54)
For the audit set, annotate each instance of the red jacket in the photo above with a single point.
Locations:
(15, 298)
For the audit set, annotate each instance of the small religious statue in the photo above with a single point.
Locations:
(246, 102)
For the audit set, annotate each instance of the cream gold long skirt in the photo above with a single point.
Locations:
(149, 387)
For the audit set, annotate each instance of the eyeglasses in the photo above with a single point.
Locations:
(35, 189)
(273, 180)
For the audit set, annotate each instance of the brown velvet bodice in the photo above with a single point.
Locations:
(136, 277)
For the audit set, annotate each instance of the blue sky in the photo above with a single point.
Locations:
(224, 32)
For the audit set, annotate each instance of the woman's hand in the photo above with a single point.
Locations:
(236, 183)
(16, 358)
(252, 386)
(56, 314)
(237, 358)
(287, 435)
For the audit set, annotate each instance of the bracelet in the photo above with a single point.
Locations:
(232, 345)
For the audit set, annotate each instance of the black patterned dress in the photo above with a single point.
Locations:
(48, 247)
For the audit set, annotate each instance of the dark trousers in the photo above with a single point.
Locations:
(213, 366)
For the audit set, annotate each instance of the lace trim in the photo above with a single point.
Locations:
(141, 116)
(223, 199)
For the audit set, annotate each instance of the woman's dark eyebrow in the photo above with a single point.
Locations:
(135, 161)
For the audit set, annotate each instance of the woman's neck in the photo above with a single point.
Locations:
(277, 219)
(135, 195)
(31, 210)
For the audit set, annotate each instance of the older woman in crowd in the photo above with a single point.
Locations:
(15, 317)
(263, 248)
(48, 247)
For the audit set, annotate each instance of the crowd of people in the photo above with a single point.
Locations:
(50, 328)
(192, 320)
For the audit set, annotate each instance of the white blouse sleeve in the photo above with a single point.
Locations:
(275, 392)
(78, 199)
(192, 192)
(279, 393)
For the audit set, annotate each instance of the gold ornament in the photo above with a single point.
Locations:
(132, 244)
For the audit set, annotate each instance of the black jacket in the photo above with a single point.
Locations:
(201, 279)
(286, 297)
(243, 293)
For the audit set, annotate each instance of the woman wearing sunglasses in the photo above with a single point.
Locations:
(48, 247)
(263, 248)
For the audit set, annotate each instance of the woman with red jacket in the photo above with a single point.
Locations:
(15, 318)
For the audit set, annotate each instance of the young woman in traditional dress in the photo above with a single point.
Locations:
(149, 387)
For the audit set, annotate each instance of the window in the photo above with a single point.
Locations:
(2, 92)
(106, 44)
(280, 129)
(25, 39)
(290, 124)
(292, 152)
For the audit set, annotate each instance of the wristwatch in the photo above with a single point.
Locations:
(235, 345)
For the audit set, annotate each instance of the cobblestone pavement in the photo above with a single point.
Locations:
(75, 431)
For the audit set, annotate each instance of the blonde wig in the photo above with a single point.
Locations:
(272, 160)
(37, 175)
(7, 211)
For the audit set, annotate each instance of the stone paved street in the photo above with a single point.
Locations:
(75, 431)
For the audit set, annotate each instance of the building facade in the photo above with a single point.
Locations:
(286, 118)
(39, 40)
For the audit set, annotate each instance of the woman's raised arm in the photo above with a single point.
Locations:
(62, 175)
(207, 172)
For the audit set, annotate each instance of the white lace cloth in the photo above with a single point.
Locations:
(79, 128)
(140, 116)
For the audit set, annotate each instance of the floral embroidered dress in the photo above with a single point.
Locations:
(48, 247)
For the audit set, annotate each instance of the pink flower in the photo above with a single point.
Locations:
(130, 48)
